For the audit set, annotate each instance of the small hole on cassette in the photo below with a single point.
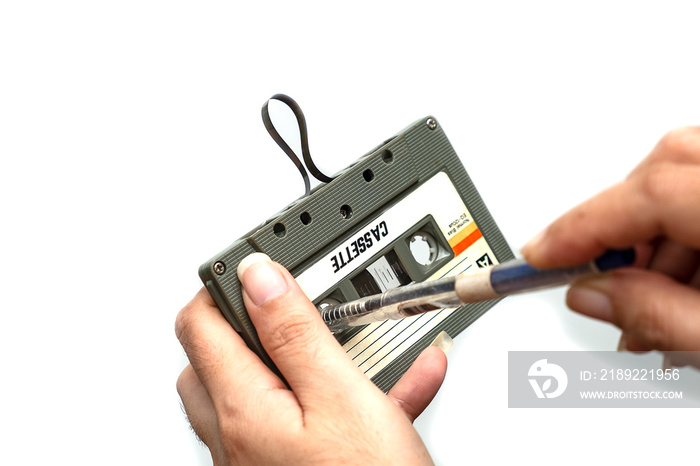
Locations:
(387, 156)
(345, 211)
(305, 218)
(279, 230)
(368, 175)
(423, 247)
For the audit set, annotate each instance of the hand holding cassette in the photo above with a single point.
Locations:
(272, 384)
(329, 412)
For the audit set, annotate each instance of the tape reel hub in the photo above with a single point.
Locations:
(423, 247)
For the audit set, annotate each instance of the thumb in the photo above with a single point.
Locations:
(651, 308)
(291, 330)
(418, 386)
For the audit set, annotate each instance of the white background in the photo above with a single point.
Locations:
(132, 151)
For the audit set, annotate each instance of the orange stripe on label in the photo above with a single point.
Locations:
(470, 239)
(463, 233)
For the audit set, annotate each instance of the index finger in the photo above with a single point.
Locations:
(661, 200)
(678, 146)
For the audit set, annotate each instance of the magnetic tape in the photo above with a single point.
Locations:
(405, 212)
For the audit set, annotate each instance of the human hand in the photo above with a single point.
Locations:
(657, 210)
(330, 413)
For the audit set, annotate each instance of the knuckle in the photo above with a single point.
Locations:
(205, 357)
(661, 184)
(648, 325)
(645, 318)
(189, 319)
(680, 140)
(292, 334)
(203, 353)
(184, 324)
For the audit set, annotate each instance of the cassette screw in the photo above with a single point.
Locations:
(432, 124)
(219, 268)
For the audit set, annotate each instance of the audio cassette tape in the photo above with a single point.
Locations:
(405, 212)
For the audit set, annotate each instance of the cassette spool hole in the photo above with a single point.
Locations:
(423, 247)
(279, 230)
(368, 175)
(345, 211)
(305, 218)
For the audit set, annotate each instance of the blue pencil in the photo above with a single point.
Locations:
(511, 277)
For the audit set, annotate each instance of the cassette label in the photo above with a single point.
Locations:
(362, 244)
(436, 197)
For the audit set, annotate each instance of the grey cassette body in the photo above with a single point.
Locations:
(346, 235)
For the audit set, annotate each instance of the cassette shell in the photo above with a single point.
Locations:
(314, 225)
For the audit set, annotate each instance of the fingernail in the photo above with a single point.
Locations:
(443, 341)
(533, 244)
(622, 344)
(589, 297)
(667, 363)
(260, 278)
